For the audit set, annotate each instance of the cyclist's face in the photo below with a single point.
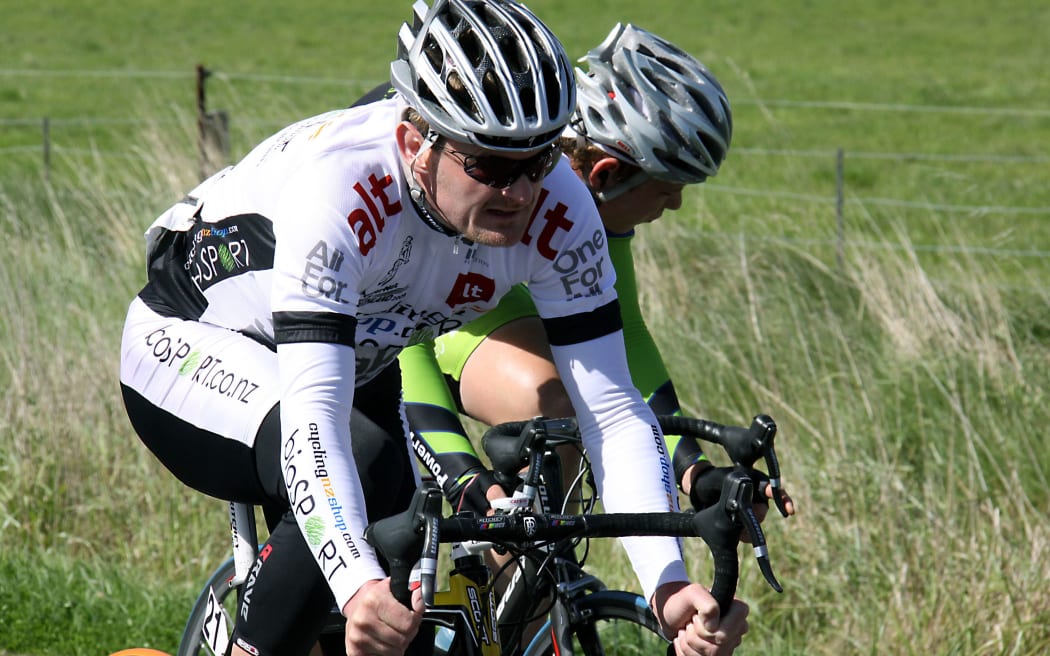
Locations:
(642, 204)
(486, 214)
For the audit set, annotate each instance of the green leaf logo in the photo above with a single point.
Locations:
(225, 258)
(314, 530)
(191, 363)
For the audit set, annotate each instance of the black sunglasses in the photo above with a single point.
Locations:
(501, 172)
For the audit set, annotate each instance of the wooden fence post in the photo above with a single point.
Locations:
(213, 141)
(840, 175)
(47, 149)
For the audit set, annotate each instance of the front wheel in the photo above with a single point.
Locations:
(211, 621)
(606, 623)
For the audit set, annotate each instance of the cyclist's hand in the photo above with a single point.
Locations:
(477, 491)
(377, 623)
(689, 615)
(706, 488)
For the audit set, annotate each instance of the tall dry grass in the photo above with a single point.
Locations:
(909, 400)
(909, 404)
(77, 482)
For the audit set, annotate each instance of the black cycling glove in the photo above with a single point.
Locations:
(706, 488)
(469, 493)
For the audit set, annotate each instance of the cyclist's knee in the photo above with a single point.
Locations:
(553, 400)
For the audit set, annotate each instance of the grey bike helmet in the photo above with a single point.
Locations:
(654, 105)
(485, 72)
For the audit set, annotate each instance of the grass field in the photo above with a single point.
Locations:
(905, 358)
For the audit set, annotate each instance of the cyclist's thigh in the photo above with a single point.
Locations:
(517, 356)
(196, 395)
(453, 349)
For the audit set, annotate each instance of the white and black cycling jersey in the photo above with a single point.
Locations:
(312, 246)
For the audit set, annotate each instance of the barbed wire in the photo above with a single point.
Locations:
(960, 249)
(904, 156)
(890, 202)
(826, 200)
(216, 74)
(1019, 253)
(898, 107)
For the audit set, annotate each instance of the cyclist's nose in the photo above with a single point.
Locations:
(674, 201)
(521, 190)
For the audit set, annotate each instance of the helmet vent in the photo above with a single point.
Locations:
(671, 160)
(468, 40)
(461, 96)
(433, 53)
(550, 83)
(495, 96)
(703, 101)
(672, 65)
(715, 151)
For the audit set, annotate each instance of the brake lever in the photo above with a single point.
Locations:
(428, 561)
(720, 526)
(741, 511)
(765, 425)
(401, 537)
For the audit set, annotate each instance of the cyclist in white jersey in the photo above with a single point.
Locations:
(259, 362)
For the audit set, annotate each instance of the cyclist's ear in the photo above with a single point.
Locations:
(410, 144)
(603, 173)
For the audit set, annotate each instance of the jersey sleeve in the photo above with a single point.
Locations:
(318, 267)
(626, 449)
(438, 436)
(648, 370)
(324, 489)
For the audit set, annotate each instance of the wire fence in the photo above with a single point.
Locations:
(47, 147)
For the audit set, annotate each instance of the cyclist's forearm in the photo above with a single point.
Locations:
(440, 442)
(438, 436)
(685, 451)
(318, 465)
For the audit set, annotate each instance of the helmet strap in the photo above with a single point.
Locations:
(578, 129)
(620, 188)
(424, 208)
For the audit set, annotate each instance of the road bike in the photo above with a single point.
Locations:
(549, 582)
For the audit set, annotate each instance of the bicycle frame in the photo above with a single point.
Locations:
(244, 534)
(555, 582)
(462, 618)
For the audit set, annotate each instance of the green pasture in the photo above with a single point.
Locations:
(937, 108)
(901, 343)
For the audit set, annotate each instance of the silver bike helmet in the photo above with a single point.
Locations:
(650, 103)
(485, 72)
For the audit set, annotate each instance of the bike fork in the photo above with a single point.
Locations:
(561, 628)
